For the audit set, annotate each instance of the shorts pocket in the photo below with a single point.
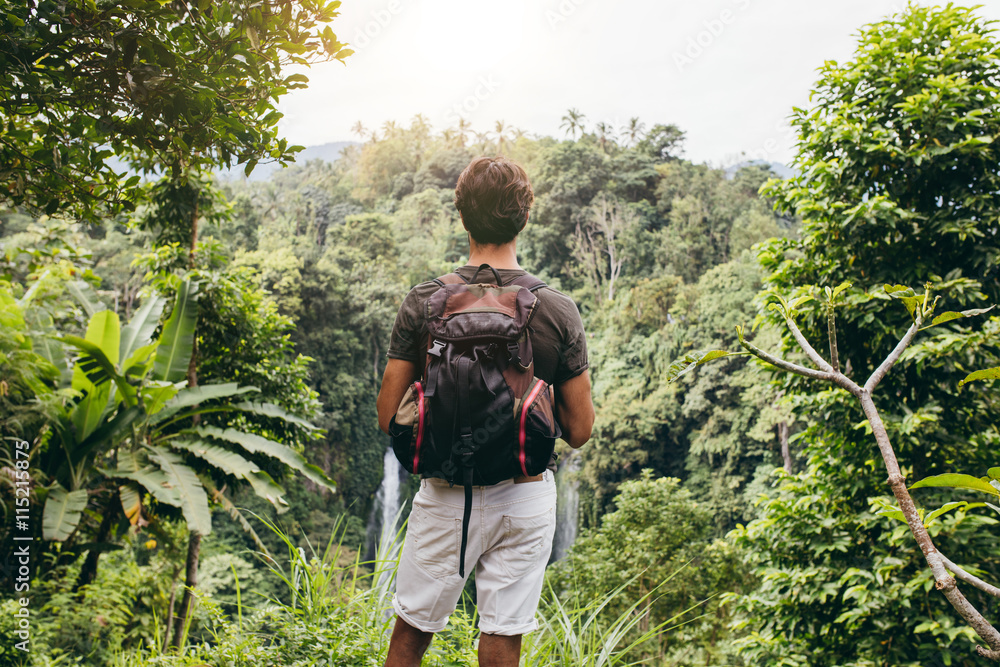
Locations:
(527, 541)
(437, 541)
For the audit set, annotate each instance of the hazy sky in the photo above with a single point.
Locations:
(727, 72)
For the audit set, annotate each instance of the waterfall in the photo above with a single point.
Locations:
(388, 498)
(382, 522)
(567, 505)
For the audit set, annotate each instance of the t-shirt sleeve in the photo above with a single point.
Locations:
(405, 338)
(573, 354)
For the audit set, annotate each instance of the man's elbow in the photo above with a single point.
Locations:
(579, 435)
(385, 416)
(384, 413)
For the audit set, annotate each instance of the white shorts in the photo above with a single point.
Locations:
(510, 539)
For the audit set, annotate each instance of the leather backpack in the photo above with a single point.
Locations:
(478, 415)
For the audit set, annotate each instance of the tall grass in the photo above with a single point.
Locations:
(334, 609)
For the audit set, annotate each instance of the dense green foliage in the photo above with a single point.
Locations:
(659, 541)
(155, 84)
(749, 497)
(899, 188)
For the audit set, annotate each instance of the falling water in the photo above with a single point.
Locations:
(388, 497)
(567, 506)
(383, 521)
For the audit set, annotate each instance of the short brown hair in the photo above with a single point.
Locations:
(494, 196)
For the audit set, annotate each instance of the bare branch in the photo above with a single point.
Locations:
(806, 347)
(970, 578)
(893, 357)
(986, 653)
(943, 581)
(785, 365)
(831, 328)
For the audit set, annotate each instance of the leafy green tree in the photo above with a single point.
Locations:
(155, 84)
(896, 184)
(657, 540)
(719, 431)
(663, 142)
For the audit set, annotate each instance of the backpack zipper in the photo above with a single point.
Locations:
(522, 434)
(420, 425)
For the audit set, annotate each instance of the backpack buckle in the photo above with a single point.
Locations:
(518, 354)
(515, 352)
(436, 347)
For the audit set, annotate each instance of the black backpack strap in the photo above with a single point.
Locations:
(466, 449)
(528, 282)
(496, 274)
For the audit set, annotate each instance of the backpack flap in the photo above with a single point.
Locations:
(479, 311)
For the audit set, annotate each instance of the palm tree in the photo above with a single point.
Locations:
(482, 142)
(359, 129)
(389, 129)
(464, 127)
(501, 131)
(419, 133)
(450, 137)
(136, 431)
(420, 124)
(633, 131)
(573, 122)
(605, 134)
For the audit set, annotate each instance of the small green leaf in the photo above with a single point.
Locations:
(953, 315)
(689, 362)
(985, 374)
(801, 300)
(252, 34)
(957, 481)
(840, 288)
(947, 507)
(906, 295)
(889, 510)
(993, 473)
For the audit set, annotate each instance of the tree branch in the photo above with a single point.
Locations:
(904, 343)
(806, 347)
(785, 365)
(943, 581)
(970, 578)
(831, 328)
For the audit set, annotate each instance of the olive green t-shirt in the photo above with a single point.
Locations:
(558, 342)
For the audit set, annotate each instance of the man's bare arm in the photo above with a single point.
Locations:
(575, 409)
(398, 376)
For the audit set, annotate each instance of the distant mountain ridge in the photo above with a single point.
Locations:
(328, 152)
(781, 170)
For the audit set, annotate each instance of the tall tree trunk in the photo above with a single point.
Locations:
(190, 581)
(786, 454)
(89, 570)
(194, 539)
(194, 230)
(170, 611)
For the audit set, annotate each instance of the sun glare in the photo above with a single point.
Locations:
(460, 35)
